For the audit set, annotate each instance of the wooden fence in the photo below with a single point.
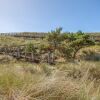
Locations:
(18, 52)
(25, 35)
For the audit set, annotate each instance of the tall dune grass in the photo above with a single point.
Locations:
(67, 81)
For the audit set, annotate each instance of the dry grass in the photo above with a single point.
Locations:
(13, 41)
(21, 80)
(65, 81)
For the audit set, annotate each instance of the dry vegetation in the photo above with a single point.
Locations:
(63, 81)
(74, 80)
(11, 41)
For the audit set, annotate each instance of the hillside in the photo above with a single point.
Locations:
(95, 36)
(56, 67)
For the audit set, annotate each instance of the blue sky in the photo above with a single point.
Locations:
(45, 15)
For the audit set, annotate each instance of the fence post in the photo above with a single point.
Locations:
(18, 52)
(32, 56)
(5, 50)
(50, 57)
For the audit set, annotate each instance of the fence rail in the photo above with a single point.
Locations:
(25, 34)
(18, 52)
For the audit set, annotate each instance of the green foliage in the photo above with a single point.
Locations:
(44, 48)
(68, 51)
(71, 37)
(69, 44)
(64, 36)
(80, 43)
(54, 37)
(30, 48)
(79, 32)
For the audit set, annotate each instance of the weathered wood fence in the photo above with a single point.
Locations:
(25, 35)
(18, 52)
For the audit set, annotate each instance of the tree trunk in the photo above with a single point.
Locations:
(75, 53)
(50, 57)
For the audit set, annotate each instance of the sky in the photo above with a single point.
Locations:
(46, 15)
